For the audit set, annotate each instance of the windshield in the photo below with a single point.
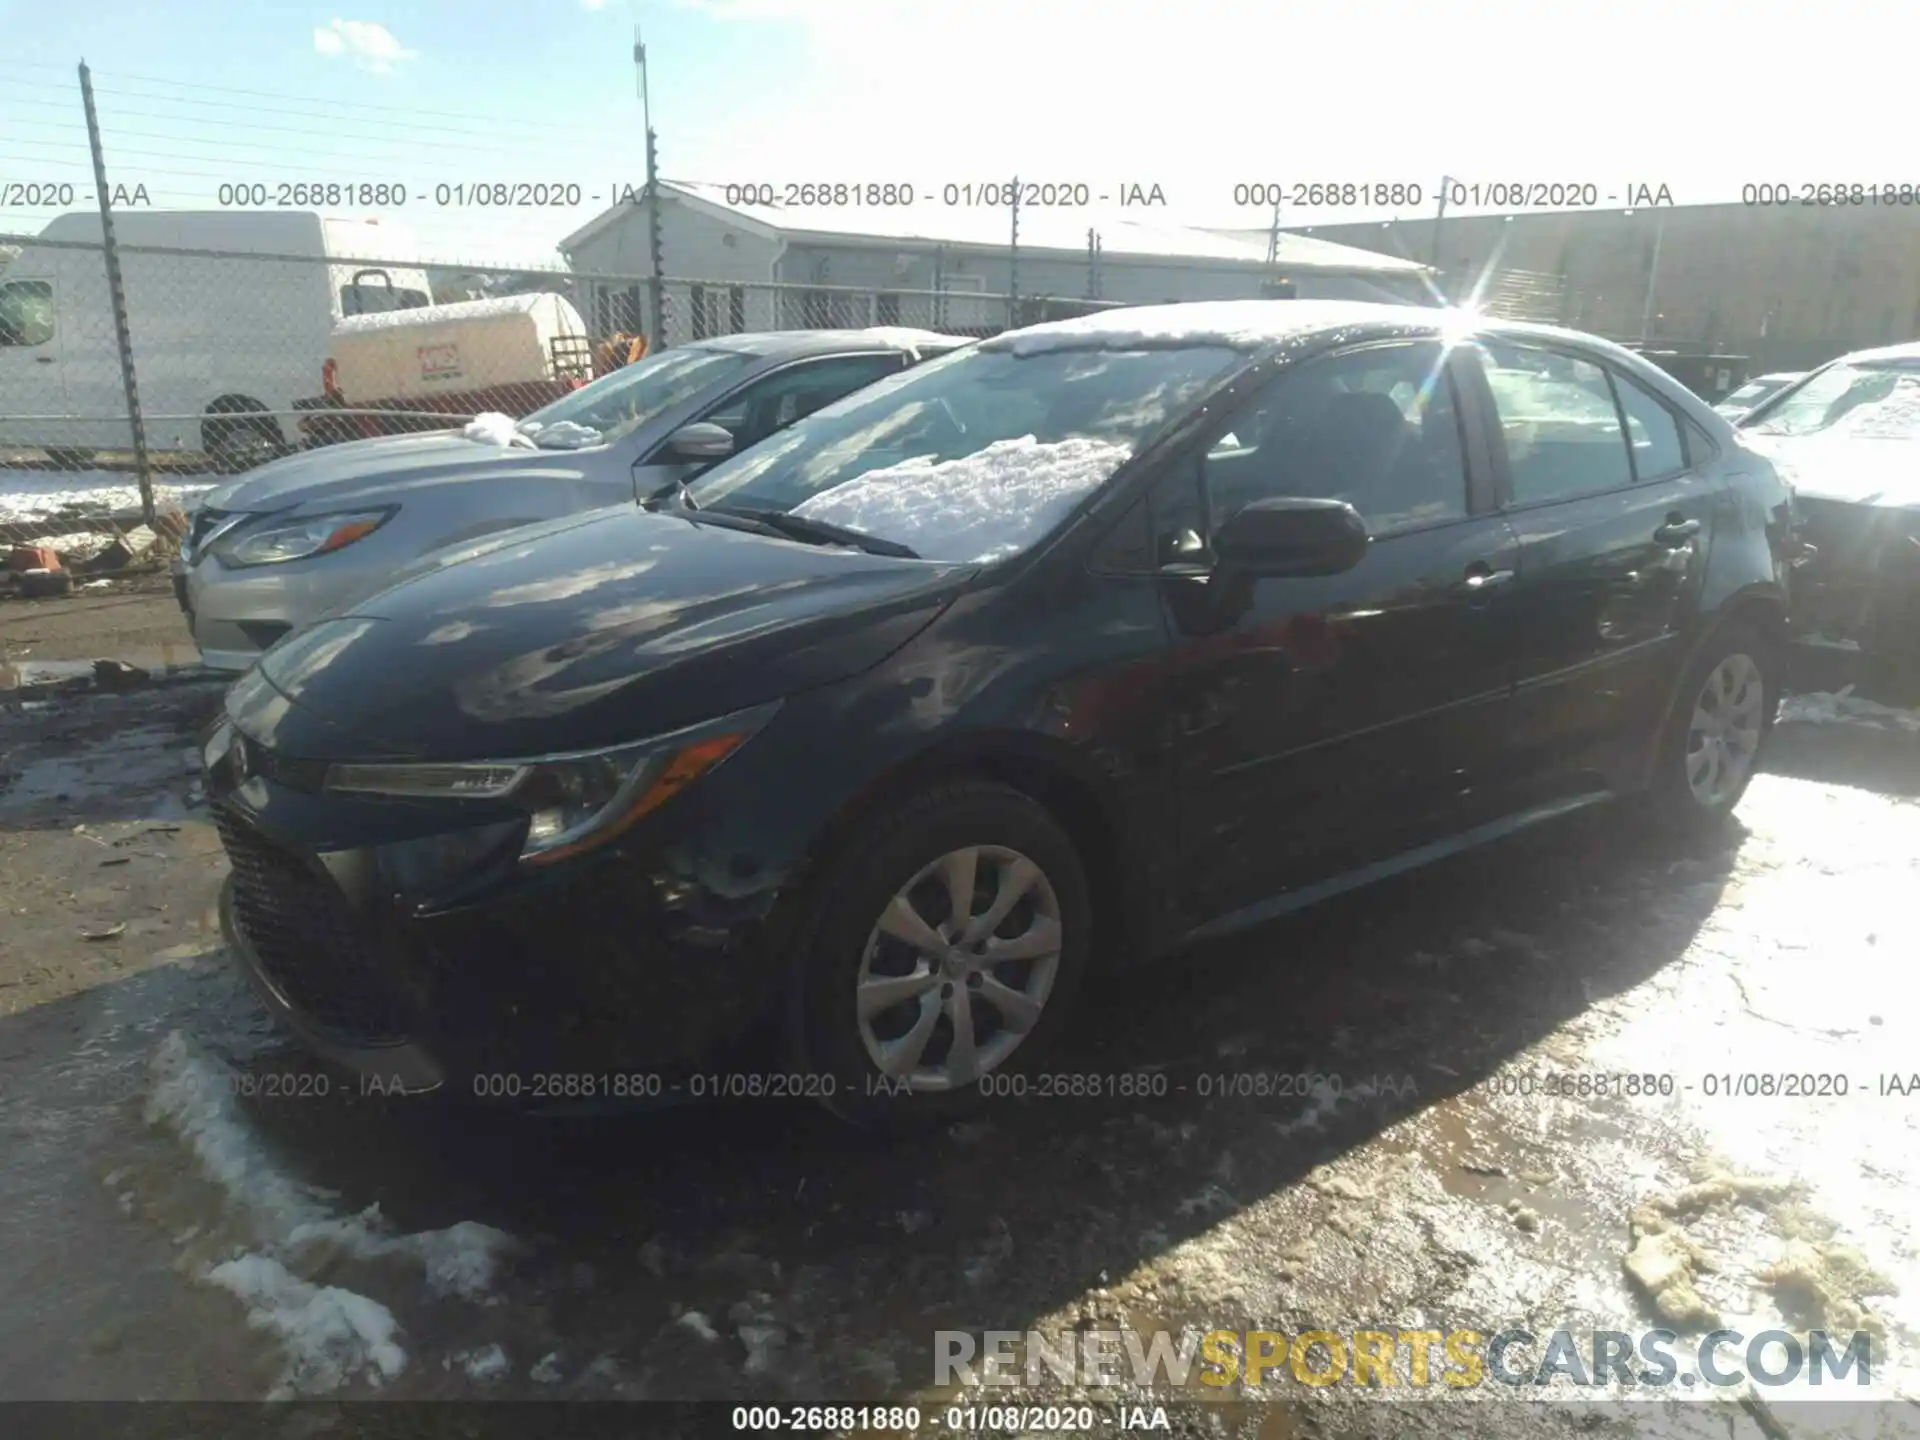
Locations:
(620, 403)
(1870, 401)
(970, 457)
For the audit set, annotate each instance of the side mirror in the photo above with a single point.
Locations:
(1286, 538)
(701, 441)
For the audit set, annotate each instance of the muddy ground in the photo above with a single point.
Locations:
(188, 1208)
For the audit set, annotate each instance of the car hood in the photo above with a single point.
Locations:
(384, 469)
(1851, 469)
(595, 631)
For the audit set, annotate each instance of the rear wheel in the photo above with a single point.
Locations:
(1718, 729)
(949, 945)
(238, 434)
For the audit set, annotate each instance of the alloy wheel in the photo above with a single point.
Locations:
(958, 968)
(1723, 736)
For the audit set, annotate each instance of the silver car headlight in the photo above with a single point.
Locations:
(575, 802)
(275, 544)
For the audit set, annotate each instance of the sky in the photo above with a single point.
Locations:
(1699, 96)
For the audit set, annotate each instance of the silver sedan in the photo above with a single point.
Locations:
(303, 535)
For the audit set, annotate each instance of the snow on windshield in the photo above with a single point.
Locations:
(984, 506)
(1895, 416)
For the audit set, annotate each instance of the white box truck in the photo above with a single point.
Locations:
(223, 341)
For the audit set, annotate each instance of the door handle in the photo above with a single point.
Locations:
(1677, 532)
(1483, 578)
(43, 359)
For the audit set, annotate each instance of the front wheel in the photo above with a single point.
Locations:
(950, 942)
(1718, 729)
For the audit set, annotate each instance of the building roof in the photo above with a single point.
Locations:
(1133, 233)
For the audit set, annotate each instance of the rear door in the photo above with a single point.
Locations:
(1330, 723)
(1614, 518)
(766, 405)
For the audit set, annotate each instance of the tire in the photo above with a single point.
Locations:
(908, 850)
(238, 444)
(1736, 675)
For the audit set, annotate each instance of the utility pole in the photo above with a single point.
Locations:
(1093, 263)
(1273, 234)
(1653, 278)
(1013, 262)
(657, 339)
(117, 296)
(1433, 253)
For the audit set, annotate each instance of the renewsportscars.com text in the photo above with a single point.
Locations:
(1459, 1359)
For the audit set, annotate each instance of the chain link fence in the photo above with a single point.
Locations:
(244, 356)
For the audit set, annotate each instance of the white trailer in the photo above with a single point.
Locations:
(224, 339)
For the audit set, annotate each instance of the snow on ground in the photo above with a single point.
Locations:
(331, 1335)
(983, 506)
(27, 495)
(1843, 707)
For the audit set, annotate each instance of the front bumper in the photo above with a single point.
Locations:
(236, 615)
(1862, 582)
(605, 982)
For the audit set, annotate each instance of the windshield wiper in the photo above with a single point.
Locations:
(820, 532)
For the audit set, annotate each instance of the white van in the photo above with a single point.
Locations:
(215, 336)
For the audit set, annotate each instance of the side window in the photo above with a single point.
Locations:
(1559, 422)
(26, 312)
(1378, 428)
(1700, 446)
(1652, 430)
(775, 402)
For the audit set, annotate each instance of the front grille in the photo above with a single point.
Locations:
(309, 943)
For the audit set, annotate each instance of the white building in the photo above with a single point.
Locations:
(739, 267)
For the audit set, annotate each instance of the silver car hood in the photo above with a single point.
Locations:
(384, 469)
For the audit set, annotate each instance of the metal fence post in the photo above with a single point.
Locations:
(116, 291)
(1013, 261)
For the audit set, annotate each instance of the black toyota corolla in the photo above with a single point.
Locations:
(1095, 640)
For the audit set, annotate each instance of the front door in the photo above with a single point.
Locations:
(1614, 517)
(1331, 723)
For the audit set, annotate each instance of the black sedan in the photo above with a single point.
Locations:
(1101, 638)
(1847, 438)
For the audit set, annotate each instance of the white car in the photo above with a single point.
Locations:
(1744, 399)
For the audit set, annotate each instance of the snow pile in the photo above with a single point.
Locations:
(193, 1094)
(32, 495)
(493, 428)
(329, 1335)
(487, 1362)
(983, 506)
(1843, 707)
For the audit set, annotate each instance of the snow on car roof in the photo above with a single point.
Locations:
(1237, 324)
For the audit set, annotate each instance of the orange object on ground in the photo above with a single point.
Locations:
(33, 557)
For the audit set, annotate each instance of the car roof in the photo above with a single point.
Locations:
(1256, 325)
(1778, 377)
(1910, 350)
(795, 344)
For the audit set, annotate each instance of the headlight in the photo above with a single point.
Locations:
(573, 802)
(298, 539)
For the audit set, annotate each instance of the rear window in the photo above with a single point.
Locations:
(26, 312)
(374, 297)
